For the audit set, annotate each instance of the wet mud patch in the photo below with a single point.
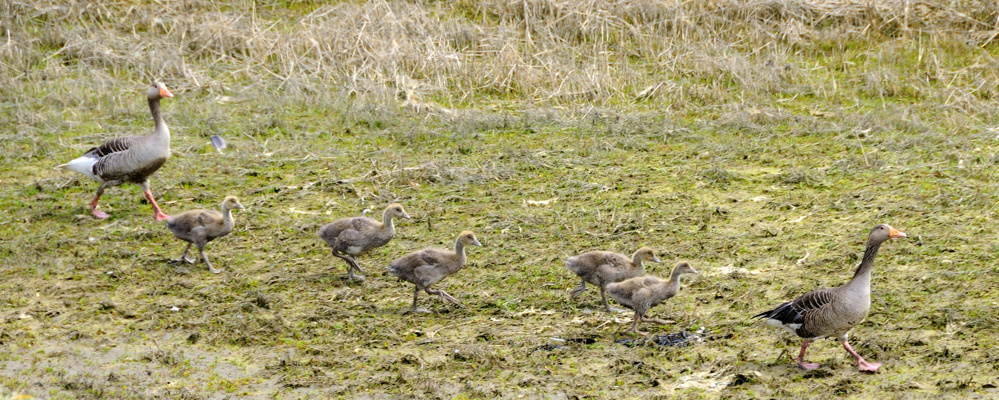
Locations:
(677, 339)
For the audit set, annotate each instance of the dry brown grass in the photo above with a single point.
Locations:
(455, 54)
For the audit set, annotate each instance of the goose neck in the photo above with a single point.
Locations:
(637, 261)
(154, 110)
(227, 221)
(459, 249)
(387, 223)
(863, 274)
(675, 275)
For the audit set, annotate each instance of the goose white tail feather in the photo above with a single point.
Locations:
(778, 324)
(83, 165)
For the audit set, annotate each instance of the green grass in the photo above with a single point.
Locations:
(763, 160)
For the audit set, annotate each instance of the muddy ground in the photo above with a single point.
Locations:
(94, 309)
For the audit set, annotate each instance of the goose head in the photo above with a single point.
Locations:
(231, 203)
(395, 210)
(158, 90)
(468, 238)
(645, 254)
(884, 232)
(684, 268)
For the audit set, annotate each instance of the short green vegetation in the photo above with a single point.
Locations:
(759, 141)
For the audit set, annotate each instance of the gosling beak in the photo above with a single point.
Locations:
(895, 233)
(476, 242)
(656, 259)
(404, 215)
(240, 206)
(694, 271)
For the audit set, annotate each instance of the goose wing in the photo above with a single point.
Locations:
(115, 145)
(126, 157)
(794, 315)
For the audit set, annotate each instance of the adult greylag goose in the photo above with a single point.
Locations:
(600, 268)
(198, 227)
(129, 159)
(428, 266)
(833, 312)
(644, 292)
(352, 236)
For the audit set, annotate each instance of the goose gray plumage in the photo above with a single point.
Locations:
(833, 312)
(129, 159)
(644, 292)
(352, 236)
(428, 266)
(198, 227)
(600, 268)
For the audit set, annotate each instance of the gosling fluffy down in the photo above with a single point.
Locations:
(198, 227)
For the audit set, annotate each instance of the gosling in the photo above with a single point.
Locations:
(352, 236)
(428, 266)
(644, 292)
(198, 227)
(600, 268)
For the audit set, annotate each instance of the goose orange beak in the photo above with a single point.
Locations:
(164, 92)
(895, 233)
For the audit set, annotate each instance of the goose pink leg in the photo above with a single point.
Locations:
(801, 358)
(160, 216)
(93, 205)
(863, 364)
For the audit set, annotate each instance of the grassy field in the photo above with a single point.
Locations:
(760, 141)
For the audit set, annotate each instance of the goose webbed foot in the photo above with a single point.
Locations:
(801, 358)
(209, 264)
(447, 298)
(862, 364)
(93, 204)
(159, 215)
(807, 366)
(576, 292)
(351, 264)
(416, 310)
(352, 277)
(867, 366)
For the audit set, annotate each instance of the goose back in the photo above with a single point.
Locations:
(428, 266)
(355, 235)
(602, 267)
(202, 226)
(644, 292)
